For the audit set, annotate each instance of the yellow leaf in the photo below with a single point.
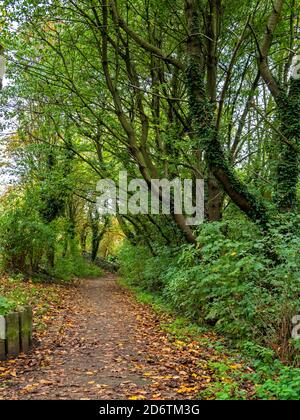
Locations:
(186, 390)
(44, 382)
(237, 366)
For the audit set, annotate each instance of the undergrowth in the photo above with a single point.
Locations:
(239, 284)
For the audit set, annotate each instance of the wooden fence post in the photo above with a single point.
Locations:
(24, 330)
(12, 334)
(16, 333)
(2, 338)
(30, 322)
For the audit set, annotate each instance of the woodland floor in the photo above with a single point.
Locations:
(102, 344)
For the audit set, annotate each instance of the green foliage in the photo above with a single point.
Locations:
(226, 384)
(231, 281)
(257, 352)
(269, 382)
(24, 237)
(5, 305)
(36, 248)
(141, 268)
(75, 266)
(268, 378)
(284, 383)
(288, 165)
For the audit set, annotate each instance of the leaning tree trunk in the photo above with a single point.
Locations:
(203, 115)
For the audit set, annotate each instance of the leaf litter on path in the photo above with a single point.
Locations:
(100, 343)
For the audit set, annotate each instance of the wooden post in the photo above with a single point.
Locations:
(25, 329)
(30, 322)
(12, 334)
(2, 338)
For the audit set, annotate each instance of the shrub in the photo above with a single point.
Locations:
(244, 284)
(5, 305)
(142, 269)
(75, 266)
(24, 239)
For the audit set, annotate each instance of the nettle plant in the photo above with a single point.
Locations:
(5, 305)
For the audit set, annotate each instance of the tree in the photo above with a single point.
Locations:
(121, 90)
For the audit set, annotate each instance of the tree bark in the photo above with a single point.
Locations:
(202, 111)
(215, 200)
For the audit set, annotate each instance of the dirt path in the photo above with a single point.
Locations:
(110, 348)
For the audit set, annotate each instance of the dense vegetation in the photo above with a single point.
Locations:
(196, 89)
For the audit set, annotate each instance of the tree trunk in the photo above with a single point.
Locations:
(83, 239)
(288, 165)
(215, 201)
(202, 112)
